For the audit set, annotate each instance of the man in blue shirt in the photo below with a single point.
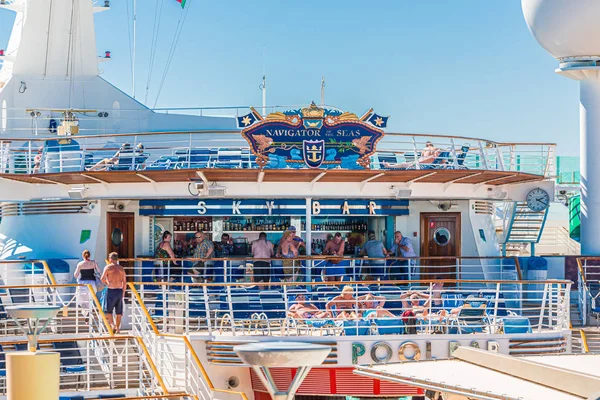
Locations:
(374, 249)
(401, 248)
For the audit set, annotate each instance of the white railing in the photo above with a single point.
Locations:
(118, 365)
(227, 149)
(318, 268)
(80, 312)
(421, 307)
(175, 358)
(31, 272)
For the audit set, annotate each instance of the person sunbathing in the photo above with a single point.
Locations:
(429, 154)
(371, 306)
(303, 310)
(106, 163)
(411, 301)
(345, 305)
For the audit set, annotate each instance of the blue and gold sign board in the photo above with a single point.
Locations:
(313, 137)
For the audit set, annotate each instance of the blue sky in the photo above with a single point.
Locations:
(462, 67)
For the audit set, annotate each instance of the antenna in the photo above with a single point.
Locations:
(263, 85)
(322, 91)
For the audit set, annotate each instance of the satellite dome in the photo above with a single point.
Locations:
(565, 28)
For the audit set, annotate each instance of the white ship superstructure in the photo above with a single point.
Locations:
(85, 166)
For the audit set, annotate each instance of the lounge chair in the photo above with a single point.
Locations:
(470, 319)
(129, 162)
(356, 327)
(228, 158)
(194, 158)
(515, 325)
(389, 326)
(166, 162)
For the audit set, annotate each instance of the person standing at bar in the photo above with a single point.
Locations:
(288, 250)
(204, 249)
(374, 248)
(262, 252)
(401, 248)
(335, 247)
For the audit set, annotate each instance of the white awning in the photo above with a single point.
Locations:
(477, 381)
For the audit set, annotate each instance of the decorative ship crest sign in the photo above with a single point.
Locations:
(314, 137)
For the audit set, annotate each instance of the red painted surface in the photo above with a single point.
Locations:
(332, 381)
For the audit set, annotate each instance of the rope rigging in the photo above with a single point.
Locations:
(155, 35)
(176, 36)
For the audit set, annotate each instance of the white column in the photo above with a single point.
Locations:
(589, 114)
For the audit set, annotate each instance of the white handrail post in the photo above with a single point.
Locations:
(453, 150)
(484, 160)
(207, 307)
(542, 307)
(495, 315)
(231, 310)
(500, 159)
(417, 165)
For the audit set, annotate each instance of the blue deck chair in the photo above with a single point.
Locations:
(440, 161)
(389, 326)
(273, 304)
(71, 361)
(165, 162)
(386, 157)
(516, 325)
(2, 362)
(72, 397)
(111, 396)
(194, 158)
(470, 319)
(129, 162)
(452, 300)
(229, 158)
(460, 159)
(358, 327)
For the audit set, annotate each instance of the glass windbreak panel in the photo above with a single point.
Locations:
(567, 170)
(256, 224)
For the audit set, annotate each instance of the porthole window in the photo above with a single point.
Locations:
(116, 237)
(442, 236)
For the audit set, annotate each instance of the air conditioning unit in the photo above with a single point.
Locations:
(78, 192)
(216, 191)
(401, 192)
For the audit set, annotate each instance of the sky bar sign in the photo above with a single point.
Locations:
(313, 137)
(275, 207)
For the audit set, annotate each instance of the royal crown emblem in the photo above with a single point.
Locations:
(312, 137)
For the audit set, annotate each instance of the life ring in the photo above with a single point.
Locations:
(388, 352)
(415, 348)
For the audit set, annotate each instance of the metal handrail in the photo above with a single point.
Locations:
(66, 285)
(185, 340)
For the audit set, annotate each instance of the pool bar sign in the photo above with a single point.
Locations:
(276, 207)
(313, 137)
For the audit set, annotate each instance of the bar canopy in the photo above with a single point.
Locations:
(478, 374)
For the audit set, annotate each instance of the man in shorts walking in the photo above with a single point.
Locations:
(116, 282)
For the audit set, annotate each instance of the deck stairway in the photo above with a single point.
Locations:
(576, 320)
(517, 226)
(592, 337)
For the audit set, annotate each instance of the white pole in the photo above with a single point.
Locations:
(134, 46)
(264, 95)
(264, 82)
(322, 91)
(589, 115)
